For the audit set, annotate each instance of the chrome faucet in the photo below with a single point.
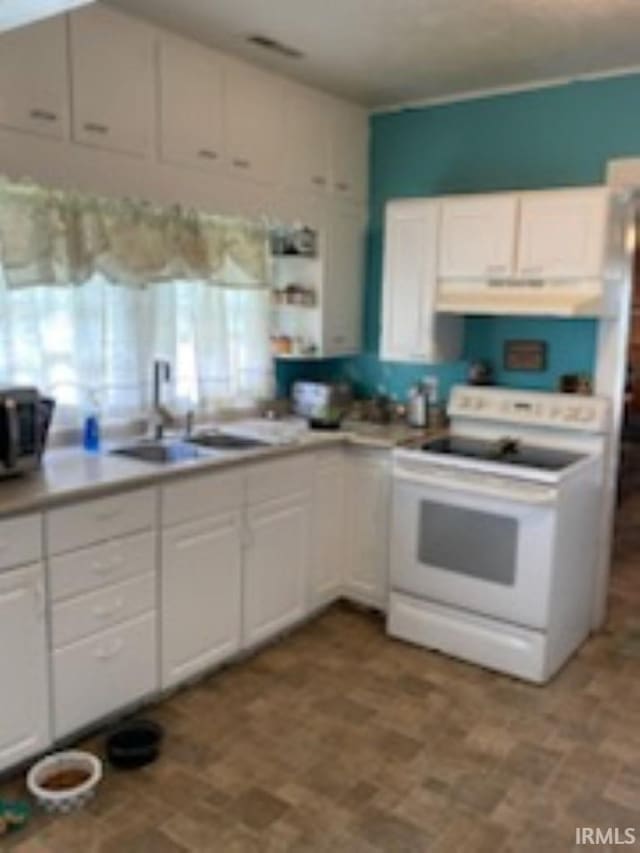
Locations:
(160, 415)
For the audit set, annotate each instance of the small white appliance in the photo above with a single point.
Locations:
(495, 530)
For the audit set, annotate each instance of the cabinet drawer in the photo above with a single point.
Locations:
(94, 677)
(101, 565)
(200, 497)
(97, 611)
(278, 479)
(100, 519)
(20, 541)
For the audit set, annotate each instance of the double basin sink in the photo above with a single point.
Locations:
(200, 446)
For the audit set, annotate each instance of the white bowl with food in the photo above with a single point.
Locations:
(65, 781)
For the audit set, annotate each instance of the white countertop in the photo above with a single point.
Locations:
(71, 474)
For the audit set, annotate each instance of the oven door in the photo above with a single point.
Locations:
(480, 543)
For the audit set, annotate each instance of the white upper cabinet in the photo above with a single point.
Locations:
(349, 151)
(34, 78)
(112, 80)
(411, 329)
(307, 140)
(24, 709)
(562, 233)
(254, 121)
(191, 98)
(478, 236)
(342, 286)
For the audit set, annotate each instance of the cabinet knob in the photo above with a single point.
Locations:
(207, 154)
(343, 186)
(43, 115)
(241, 163)
(93, 127)
(319, 181)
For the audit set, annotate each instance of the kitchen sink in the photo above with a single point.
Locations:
(224, 441)
(166, 451)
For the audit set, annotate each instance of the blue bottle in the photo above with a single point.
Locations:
(91, 435)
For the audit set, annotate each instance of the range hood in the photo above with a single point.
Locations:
(533, 298)
(19, 13)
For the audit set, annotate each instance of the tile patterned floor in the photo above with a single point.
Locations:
(341, 739)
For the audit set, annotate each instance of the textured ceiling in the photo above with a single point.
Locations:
(383, 52)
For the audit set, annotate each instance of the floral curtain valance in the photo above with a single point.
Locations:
(54, 237)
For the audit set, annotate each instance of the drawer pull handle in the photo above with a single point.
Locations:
(104, 612)
(241, 164)
(43, 115)
(107, 653)
(93, 127)
(207, 154)
(531, 270)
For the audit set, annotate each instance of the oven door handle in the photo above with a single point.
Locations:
(529, 494)
(13, 432)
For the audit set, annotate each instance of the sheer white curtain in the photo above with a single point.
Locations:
(98, 340)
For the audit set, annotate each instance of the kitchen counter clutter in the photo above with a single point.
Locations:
(69, 474)
(136, 577)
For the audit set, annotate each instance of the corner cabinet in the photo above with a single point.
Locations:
(367, 514)
(328, 527)
(343, 281)
(34, 78)
(411, 329)
(478, 237)
(112, 74)
(24, 707)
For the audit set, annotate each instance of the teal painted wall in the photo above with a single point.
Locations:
(559, 136)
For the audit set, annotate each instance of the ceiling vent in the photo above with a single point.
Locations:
(275, 46)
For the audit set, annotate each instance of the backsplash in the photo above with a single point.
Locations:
(556, 136)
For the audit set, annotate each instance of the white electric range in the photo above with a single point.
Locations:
(495, 530)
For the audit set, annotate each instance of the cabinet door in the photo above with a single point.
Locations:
(308, 125)
(34, 80)
(276, 565)
(349, 151)
(562, 233)
(410, 269)
(477, 237)
(328, 520)
(190, 104)
(368, 494)
(112, 80)
(342, 283)
(253, 114)
(201, 605)
(24, 708)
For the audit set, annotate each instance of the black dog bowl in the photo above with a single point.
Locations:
(134, 744)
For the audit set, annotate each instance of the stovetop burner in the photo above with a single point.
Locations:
(507, 451)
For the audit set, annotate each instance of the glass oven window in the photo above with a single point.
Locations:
(468, 542)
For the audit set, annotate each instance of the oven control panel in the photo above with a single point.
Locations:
(536, 408)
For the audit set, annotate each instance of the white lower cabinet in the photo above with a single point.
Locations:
(108, 671)
(201, 595)
(24, 695)
(328, 527)
(368, 496)
(276, 565)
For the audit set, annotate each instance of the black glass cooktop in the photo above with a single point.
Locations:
(507, 451)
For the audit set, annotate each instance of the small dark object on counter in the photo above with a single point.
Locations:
(134, 744)
(321, 423)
